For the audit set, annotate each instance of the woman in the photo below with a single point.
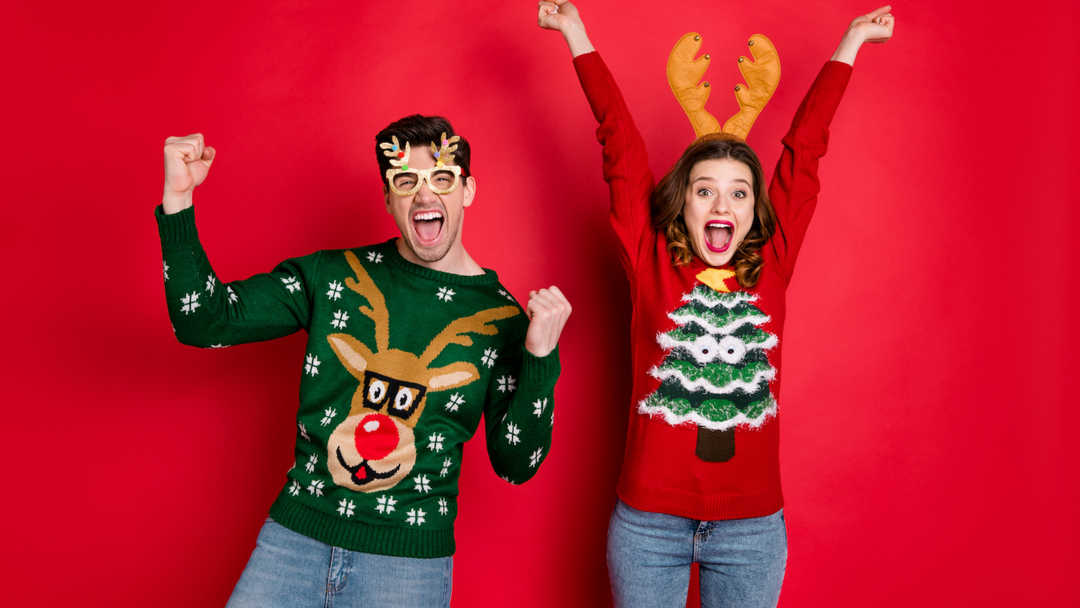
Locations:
(709, 254)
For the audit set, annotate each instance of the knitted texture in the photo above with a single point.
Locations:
(401, 363)
(706, 354)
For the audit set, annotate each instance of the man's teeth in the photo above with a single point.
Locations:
(430, 215)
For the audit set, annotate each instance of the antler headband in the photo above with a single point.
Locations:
(684, 75)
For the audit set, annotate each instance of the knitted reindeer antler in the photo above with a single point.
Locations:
(376, 309)
(684, 75)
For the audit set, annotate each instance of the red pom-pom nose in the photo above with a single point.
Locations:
(376, 437)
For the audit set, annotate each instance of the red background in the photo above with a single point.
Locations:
(929, 447)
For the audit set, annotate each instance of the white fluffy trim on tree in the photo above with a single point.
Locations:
(685, 317)
(702, 384)
(675, 419)
(712, 298)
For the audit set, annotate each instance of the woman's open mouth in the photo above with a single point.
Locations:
(718, 235)
(428, 226)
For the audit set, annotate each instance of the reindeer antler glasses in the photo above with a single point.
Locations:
(404, 180)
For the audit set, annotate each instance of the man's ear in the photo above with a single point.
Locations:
(470, 190)
(386, 198)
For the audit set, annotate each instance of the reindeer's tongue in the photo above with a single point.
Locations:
(717, 235)
(428, 230)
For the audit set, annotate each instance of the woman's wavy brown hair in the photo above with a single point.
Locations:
(669, 196)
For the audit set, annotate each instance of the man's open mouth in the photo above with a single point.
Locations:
(428, 226)
(718, 235)
(362, 473)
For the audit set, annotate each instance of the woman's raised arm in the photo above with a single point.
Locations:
(626, 164)
(795, 184)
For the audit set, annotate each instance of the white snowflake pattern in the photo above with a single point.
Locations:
(311, 364)
(552, 416)
(211, 282)
(335, 290)
(512, 435)
(435, 442)
(340, 317)
(219, 346)
(443, 510)
(374, 257)
(538, 407)
(191, 302)
(422, 485)
(315, 487)
(508, 480)
(294, 488)
(303, 431)
(345, 507)
(329, 417)
(291, 284)
(507, 383)
(232, 294)
(535, 458)
(456, 400)
(502, 292)
(165, 269)
(415, 517)
(386, 504)
(445, 467)
(489, 357)
(309, 466)
(445, 294)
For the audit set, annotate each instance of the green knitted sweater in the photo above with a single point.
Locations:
(401, 363)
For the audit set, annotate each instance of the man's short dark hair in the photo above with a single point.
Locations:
(421, 130)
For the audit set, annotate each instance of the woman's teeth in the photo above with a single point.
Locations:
(718, 235)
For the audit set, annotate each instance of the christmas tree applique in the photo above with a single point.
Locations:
(717, 372)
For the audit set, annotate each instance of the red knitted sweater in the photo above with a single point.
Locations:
(661, 472)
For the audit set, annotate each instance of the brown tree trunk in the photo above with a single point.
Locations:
(715, 446)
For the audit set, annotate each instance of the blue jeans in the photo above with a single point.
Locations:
(741, 561)
(291, 570)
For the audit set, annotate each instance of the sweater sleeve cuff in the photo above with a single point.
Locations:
(590, 66)
(177, 227)
(540, 371)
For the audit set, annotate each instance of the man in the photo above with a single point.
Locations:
(409, 343)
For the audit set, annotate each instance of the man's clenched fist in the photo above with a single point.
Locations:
(187, 161)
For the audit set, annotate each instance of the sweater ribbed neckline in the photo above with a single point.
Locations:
(394, 257)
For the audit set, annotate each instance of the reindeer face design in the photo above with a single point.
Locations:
(375, 447)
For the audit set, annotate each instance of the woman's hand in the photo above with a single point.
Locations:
(555, 15)
(562, 16)
(875, 27)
